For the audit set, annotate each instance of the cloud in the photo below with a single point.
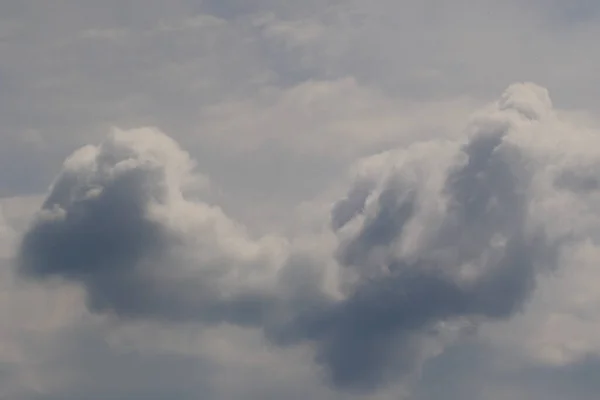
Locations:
(116, 220)
(435, 233)
(431, 240)
(273, 99)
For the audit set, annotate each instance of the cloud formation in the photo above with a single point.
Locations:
(431, 240)
(117, 221)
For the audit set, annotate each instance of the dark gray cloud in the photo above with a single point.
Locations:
(484, 226)
(436, 238)
(105, 225)
(579, 180)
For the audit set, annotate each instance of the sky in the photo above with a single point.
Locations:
(276, 199)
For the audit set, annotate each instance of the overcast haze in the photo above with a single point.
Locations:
(276, 199)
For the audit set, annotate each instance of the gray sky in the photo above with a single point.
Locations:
(188, 253)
